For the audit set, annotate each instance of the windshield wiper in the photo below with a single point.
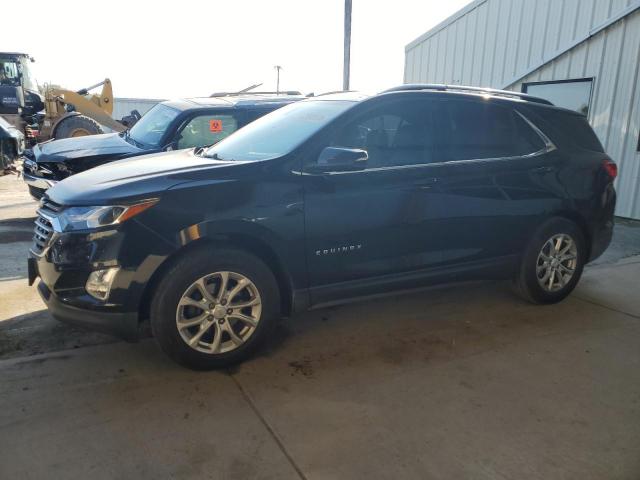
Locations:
(133, 141)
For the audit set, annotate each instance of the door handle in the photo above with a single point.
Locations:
(541, 170)
(426, 182)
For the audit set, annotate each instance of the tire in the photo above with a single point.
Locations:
(178, 283)
(77, 126)
(534, 267)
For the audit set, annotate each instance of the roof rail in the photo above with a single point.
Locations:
(241, 94)
(460, 88)
(333, 92)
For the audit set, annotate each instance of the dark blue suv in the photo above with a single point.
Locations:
(170, 125)
(327, 200)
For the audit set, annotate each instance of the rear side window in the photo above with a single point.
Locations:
(481, 130)
(572, 128)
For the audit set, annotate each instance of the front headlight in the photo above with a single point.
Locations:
(82, 218)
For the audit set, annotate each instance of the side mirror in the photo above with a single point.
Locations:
(339, 159)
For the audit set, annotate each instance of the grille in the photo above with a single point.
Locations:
(42, 234)
(44, 229)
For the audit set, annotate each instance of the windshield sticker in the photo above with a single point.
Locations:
(215, 125)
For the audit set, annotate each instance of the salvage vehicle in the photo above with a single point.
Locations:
(12, 145)
(327, 200)
(170, 125)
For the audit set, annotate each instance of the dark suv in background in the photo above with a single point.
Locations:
(327, 200)
(170, 125)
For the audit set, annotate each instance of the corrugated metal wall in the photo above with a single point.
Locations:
(501, 43)
(123, 106)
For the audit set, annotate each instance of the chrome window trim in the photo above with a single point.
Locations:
(549, 146)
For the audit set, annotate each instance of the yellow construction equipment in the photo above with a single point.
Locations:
(75, 114)
(52, 111)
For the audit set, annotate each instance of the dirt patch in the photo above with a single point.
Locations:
(302, 367)
(37, 332)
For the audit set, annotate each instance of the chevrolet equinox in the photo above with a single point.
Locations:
(326, 200)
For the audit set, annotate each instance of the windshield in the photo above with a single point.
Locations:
(9, 74)
(17, 72)
(279, 132)
(150, 129)
(27, 78)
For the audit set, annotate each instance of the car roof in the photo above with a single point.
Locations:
(12, 54)
(232, 101)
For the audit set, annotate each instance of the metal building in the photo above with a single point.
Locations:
(580, 54)
(123, 106)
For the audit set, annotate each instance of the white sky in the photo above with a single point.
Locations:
(169, 49)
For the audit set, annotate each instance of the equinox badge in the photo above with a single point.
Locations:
(335, 250)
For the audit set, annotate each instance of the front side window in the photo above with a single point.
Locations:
(480, 130)
(206, 130)
(279, 132)
(571, 94)
(398, 133)
(150, 129)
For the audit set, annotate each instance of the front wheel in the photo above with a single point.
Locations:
(214, 309)
(552, 263)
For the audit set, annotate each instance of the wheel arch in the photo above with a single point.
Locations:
(579, 220)
(237, 241)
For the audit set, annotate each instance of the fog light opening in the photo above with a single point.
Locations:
(99, 283)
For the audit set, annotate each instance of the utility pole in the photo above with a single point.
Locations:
(347, 45)
(278, 68)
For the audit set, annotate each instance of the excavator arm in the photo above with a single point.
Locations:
(97, 107)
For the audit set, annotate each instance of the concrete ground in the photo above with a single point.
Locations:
(457, 382)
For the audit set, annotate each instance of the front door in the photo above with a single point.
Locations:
(373, 222)
(207, 128)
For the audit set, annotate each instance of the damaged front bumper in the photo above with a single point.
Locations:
(65, 267)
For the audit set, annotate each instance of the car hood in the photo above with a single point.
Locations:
(70, 149)
(134, 178)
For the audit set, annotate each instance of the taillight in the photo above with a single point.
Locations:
(611, 168)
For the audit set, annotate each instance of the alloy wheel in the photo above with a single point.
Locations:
(556, 263)
(218, 312)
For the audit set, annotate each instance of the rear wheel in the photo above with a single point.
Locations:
(553, 262)
(77, 126)
(214, 309)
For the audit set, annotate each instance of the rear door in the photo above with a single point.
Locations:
(498, 180)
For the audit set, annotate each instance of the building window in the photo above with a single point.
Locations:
(571, 94)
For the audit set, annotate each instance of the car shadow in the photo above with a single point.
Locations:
(434, 325)
(37, 332)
